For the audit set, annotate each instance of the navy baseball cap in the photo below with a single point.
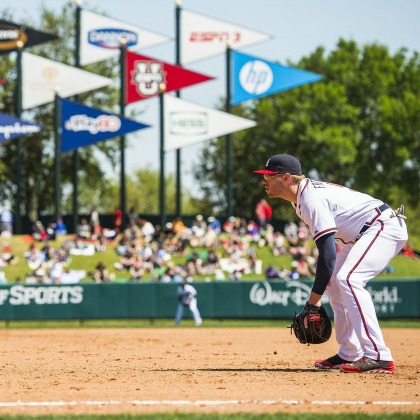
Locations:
(281, 164)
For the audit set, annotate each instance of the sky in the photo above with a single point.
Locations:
(297, 27)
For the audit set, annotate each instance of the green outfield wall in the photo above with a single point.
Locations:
(217, 300)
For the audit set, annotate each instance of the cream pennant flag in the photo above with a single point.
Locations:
(101, 36)
(203, 37)
(42, 77)
(187, 123)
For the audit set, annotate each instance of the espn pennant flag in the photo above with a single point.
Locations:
(254, 77)
(144, 75)
(82, 125)
(203, 37)
(11, 33)
(101, 37)
(42, 76)
(187, 123)
(11, 128)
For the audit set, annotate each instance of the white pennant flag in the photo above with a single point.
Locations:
(41, 77)
(203, 37)
(187, 123)
(100, 37)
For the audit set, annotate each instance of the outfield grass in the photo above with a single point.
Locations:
(403, 266)
(187, 323)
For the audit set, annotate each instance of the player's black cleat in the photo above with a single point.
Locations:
(332, 362)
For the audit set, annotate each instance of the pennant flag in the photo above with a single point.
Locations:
(203, 37)
(187, 123)
(42, 76)
(255, 77)
(11, 33)
(145, 74)
(82, 125)
(100, 37)
(12, 127)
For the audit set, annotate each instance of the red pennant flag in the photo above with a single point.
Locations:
(144, 75)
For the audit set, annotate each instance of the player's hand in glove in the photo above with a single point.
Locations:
(312, 325)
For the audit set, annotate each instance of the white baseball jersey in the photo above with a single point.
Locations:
(187, 293)
(327, 208)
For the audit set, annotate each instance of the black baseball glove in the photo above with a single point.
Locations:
(318, 328)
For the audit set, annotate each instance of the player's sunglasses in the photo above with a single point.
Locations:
(267, 177)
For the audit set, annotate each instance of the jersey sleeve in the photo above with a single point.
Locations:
(318, 217)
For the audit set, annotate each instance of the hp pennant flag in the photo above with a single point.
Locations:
(255, 77)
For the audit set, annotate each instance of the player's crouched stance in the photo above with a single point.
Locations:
(187, 298)
(369, 234)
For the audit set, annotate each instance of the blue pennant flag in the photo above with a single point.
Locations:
(12, 127)
(255, 77)
(82, 125)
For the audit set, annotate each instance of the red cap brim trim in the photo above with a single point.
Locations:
(265, 172)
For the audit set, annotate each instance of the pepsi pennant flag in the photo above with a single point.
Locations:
(146, 74)
(11, 128)
(82, 125)
(255, 77)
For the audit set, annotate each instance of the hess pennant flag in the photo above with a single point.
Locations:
(187, 123)
(82, 125)
(144, 76)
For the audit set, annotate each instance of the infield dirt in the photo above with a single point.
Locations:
(230, 370)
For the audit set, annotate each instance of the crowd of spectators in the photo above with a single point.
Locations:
(208, 249)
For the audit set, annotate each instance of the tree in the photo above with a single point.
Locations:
(142, 193)
(359, 127)
(38, 149)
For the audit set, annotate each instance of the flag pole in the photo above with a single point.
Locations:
(178, 95)
(162, 203)
(57, 157)
(123, 50)
(229, 193)
(19, 157)
(76, 155)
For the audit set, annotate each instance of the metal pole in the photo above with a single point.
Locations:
(229, 195)
(19, 157)
(57, 160)
(162, 204)
(76, 155)
(178, 95)
(123, 49)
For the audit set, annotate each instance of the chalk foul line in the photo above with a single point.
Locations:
(201, 403)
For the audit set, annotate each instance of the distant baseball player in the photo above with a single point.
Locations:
(369, 233)
(187, 297)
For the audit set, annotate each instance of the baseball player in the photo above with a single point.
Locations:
(369, 234)
(187, 297)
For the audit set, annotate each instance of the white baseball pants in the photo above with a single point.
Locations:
(194, 310)
(356, 325)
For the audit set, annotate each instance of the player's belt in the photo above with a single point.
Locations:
(379, 210)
